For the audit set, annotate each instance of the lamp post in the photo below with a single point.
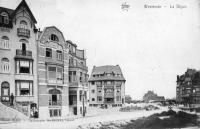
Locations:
(83, 99)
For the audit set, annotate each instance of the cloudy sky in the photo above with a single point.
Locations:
(152, 45)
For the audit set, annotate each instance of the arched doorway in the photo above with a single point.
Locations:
(5, 92)
(54, 97)
(55, 102)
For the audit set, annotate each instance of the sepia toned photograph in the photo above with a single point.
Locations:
(99, 64)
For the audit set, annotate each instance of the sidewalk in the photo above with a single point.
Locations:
(80, 121)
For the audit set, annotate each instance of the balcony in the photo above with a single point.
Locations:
(78, 65)
(55, 103)
(23, 54)
(23, 32)
(109, 95)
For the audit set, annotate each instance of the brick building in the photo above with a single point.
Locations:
(188, 88)
(52, 73)
(106, 86)
(18, 56)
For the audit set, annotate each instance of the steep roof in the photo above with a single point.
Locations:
(23, 3)
(107, 69)
(12, 12)
(48, 28)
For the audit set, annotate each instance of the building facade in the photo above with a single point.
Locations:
(45, 73)
(106, 86)
(53, 90)
(18, 55)
(188, 88)
(78, 80)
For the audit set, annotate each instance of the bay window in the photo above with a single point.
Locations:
(55, 74)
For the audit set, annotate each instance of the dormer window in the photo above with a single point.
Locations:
(4, 18)
(53, 37)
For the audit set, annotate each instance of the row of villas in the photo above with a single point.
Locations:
(188, 88)
(40, 68)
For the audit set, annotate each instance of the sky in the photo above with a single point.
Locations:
(151, 45)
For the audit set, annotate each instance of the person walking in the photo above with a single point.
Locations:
(11, 99)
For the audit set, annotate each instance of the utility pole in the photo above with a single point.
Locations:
(83, 95)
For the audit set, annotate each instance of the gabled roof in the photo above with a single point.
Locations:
(24, 4)
(51, 27)
(107, 69)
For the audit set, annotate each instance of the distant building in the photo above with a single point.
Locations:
(18, 56)
(107, 86)
(151, 96)
(188, 87)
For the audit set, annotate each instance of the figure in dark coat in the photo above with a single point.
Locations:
(11, 99)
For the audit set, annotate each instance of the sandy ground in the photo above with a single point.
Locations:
(105, 115)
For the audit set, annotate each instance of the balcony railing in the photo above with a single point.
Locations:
(78, 65)
(23, 32)
(55, 103)
(23, 54)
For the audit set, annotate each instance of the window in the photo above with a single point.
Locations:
(93, 99)
(80, 95)
(81, 77)
(197, 89)
(59, 55)
(23, 47)
(118, 98)
(48, 52)
(99, 88)
(55, 112)
(93, 91)
(23, 24)
(5, 91)
(4, 43)
(118, 88)
(53, 37)
(5, 68)
(70, 76)
(59, 74)
(4, 18)
(74, 76)
(99, 98)
(24, 67)
(55, 74)
(93, 83)
(24, 88)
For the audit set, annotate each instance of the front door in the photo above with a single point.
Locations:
(75, 110)
(5, 92)
(54, 99)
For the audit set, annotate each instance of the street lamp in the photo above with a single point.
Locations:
(83, 99)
